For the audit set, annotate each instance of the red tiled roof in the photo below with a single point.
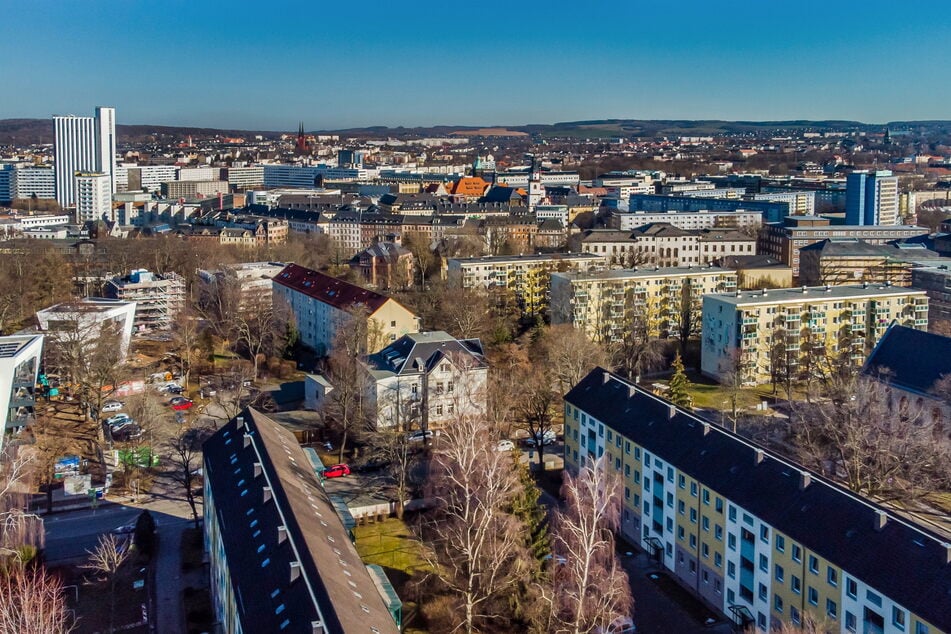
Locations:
(330, 290)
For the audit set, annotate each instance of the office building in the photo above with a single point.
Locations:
(280, 549)
(20, 359)
(783, 240)
(527, 276)
(158, 297)
(871, 198)
(83, 144)
(778, 331)
(757, 537)
(93, 197)
(689, 220)
(322, 305)
(605, 303)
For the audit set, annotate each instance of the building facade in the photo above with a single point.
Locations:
(20, 360)
(605, 304)
(93, 197)
(82, 321)
(871, 198)
(758, 538)
(783, 332)
(322, 305)
(159, 298)
(426, 380)
(83, 144)
(630, 220)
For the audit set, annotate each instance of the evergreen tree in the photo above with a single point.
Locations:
(525, 506)
(679, 394)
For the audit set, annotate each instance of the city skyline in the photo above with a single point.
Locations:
(338, 67)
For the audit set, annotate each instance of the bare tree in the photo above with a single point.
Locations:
(478, 548)
(636, 352)
(591, 587)
(186, 341)
(391, 442)
(261, 328)
(50, 446)
(536, 407)
(21, 532)
(346, 409)
(185, 458)
(107, 559)
(570, 355)
(32, 602)
(878, 443)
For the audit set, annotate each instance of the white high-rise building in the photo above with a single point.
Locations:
(93, 197)
(83, 144)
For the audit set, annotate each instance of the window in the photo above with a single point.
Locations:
(705, 523)
(719, 505)
(898, 618)
(794, 615)
(763, 592)
(813, 596)
(732, 514)
(706, 497)
(780, 543)
(832, 576)
(670, 474)
(764, 534)
(764, 563)
(705, 551)
(813, 565)
(731, 541)
(693, 489)
(627, 447)
(680, 533)
(851, 588)
(718, 532)
(449, 387)
(796, 553)
(680, 507)
(693, 516)
(670, 500)
(850, 621)
(717, 560)
(921, 628)
(796, 584)
(780, 574)
(693, 541)
(682, 481)
(730, 570)
(778, 603)
(832, 609)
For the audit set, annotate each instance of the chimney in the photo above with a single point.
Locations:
(605, 377)
(759, 456)
(706, 428)
(295, 570)
(805, 479)
(631, 391)
(247, 440)
(240, 420)
(316, 627)
(258, 469)
(267, 494)
(881, 518)
(671, 411)
(281, 534)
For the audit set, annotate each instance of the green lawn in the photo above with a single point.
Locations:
(389, 544)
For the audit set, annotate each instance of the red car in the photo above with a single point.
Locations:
(337, 471)
(179, 403)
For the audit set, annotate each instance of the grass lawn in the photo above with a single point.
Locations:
(391, 545)
(708, 394)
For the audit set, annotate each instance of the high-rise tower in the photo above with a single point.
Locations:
(83, 144)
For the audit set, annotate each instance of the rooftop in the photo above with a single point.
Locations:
(892, 362)
(330, 290)
(531, 257)
(646, 272)
(812, 293)
(421, 351)
(11, 346)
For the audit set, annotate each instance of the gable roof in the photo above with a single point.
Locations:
(903, 560)
(913, 360)
(422, 351)
(260, 561)
(329, 290)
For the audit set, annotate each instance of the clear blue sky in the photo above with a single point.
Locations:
(332, 64)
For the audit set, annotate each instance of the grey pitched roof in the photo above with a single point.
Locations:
(902, 560)
(260, 561)
(910, 359)
(422, 351)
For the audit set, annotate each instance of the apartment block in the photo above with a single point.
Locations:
(800, 203)
(93, 197)
(783, 240)
(604, 303)
(280, 549)
(322, 305)
(158, 297)
(871, 198)
(759, 538)
(527, 276)
(20, 359)
(789, 326)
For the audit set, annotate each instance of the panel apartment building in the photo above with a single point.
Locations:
(527, 276)
(757, 537)
(603, 303)
(761, 329)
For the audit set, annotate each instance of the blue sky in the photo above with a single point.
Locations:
(333, 64)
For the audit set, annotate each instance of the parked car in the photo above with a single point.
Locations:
(558, 560)
(126, 433)
(420, 436)
(505, 445)
(112, 406)
(337, 471)
(121, 425)
(620, 625)
(125, 529)
(546, 439)
(166, 388)
(175, 389)
(180, 403)
(118, 418)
